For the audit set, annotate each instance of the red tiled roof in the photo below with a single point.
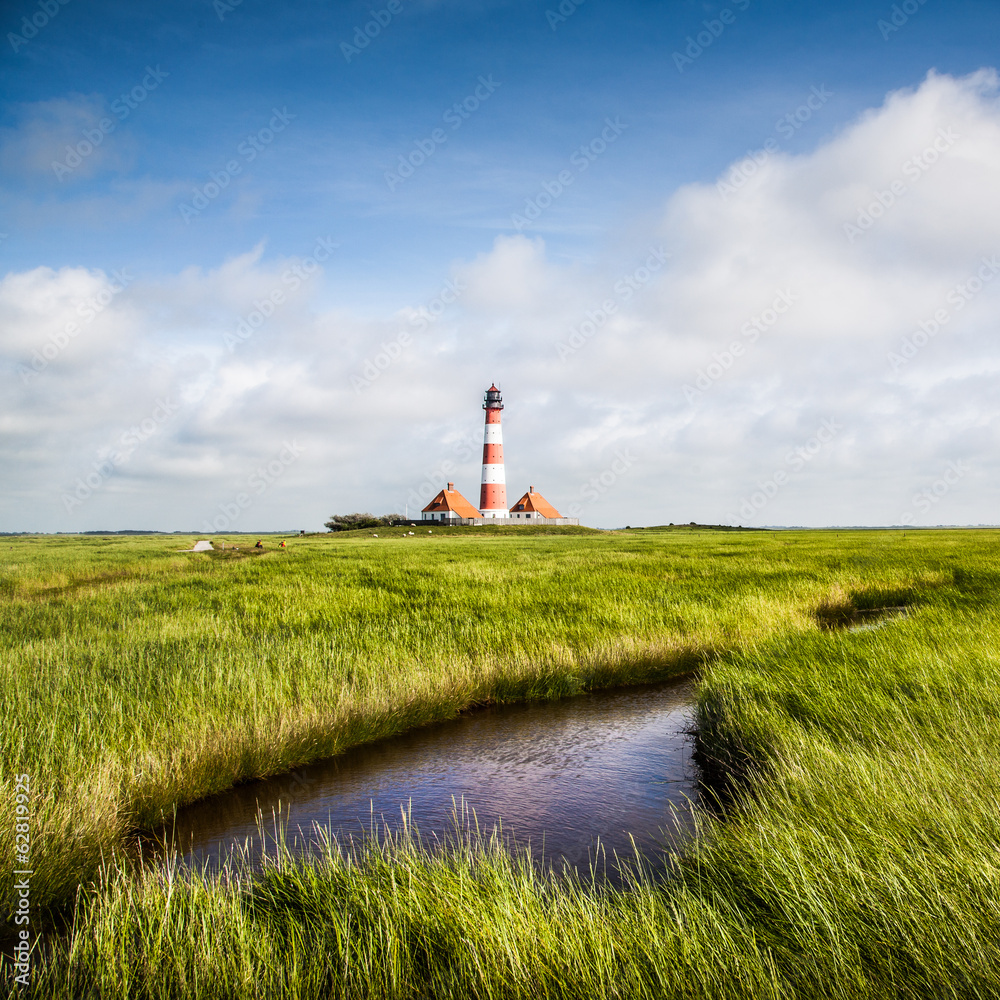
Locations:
(534, 503)
(454, 501)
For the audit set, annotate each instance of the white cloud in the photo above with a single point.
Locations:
(514, 275)
(695, 453)
(68, 132)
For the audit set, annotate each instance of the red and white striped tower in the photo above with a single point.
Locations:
(493, 493)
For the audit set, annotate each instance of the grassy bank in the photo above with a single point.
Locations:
(858, 859)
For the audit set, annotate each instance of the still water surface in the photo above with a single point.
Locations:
(562, 776)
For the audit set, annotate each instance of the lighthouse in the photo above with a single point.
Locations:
(493, 492)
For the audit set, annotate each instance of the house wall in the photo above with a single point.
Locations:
(515, 522)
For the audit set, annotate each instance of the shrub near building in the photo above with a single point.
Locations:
(351, 522)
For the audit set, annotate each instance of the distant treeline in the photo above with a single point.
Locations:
(693, 524)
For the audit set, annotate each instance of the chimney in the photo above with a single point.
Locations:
(531, 489)
(451, 487)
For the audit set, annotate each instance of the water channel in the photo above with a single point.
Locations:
(568, 778)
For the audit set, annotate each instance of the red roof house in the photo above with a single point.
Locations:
(532, 505)
(449, 503)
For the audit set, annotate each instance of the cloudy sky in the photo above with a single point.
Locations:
(728, 262)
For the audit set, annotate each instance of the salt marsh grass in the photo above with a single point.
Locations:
(858, 775)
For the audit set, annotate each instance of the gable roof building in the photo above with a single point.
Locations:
(449, 504)
(532, 505)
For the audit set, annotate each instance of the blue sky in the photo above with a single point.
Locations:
(221, 74)
(353, 120)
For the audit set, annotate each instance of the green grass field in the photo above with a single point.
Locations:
(857, 857)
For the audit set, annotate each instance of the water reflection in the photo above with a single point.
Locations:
(561, 776)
